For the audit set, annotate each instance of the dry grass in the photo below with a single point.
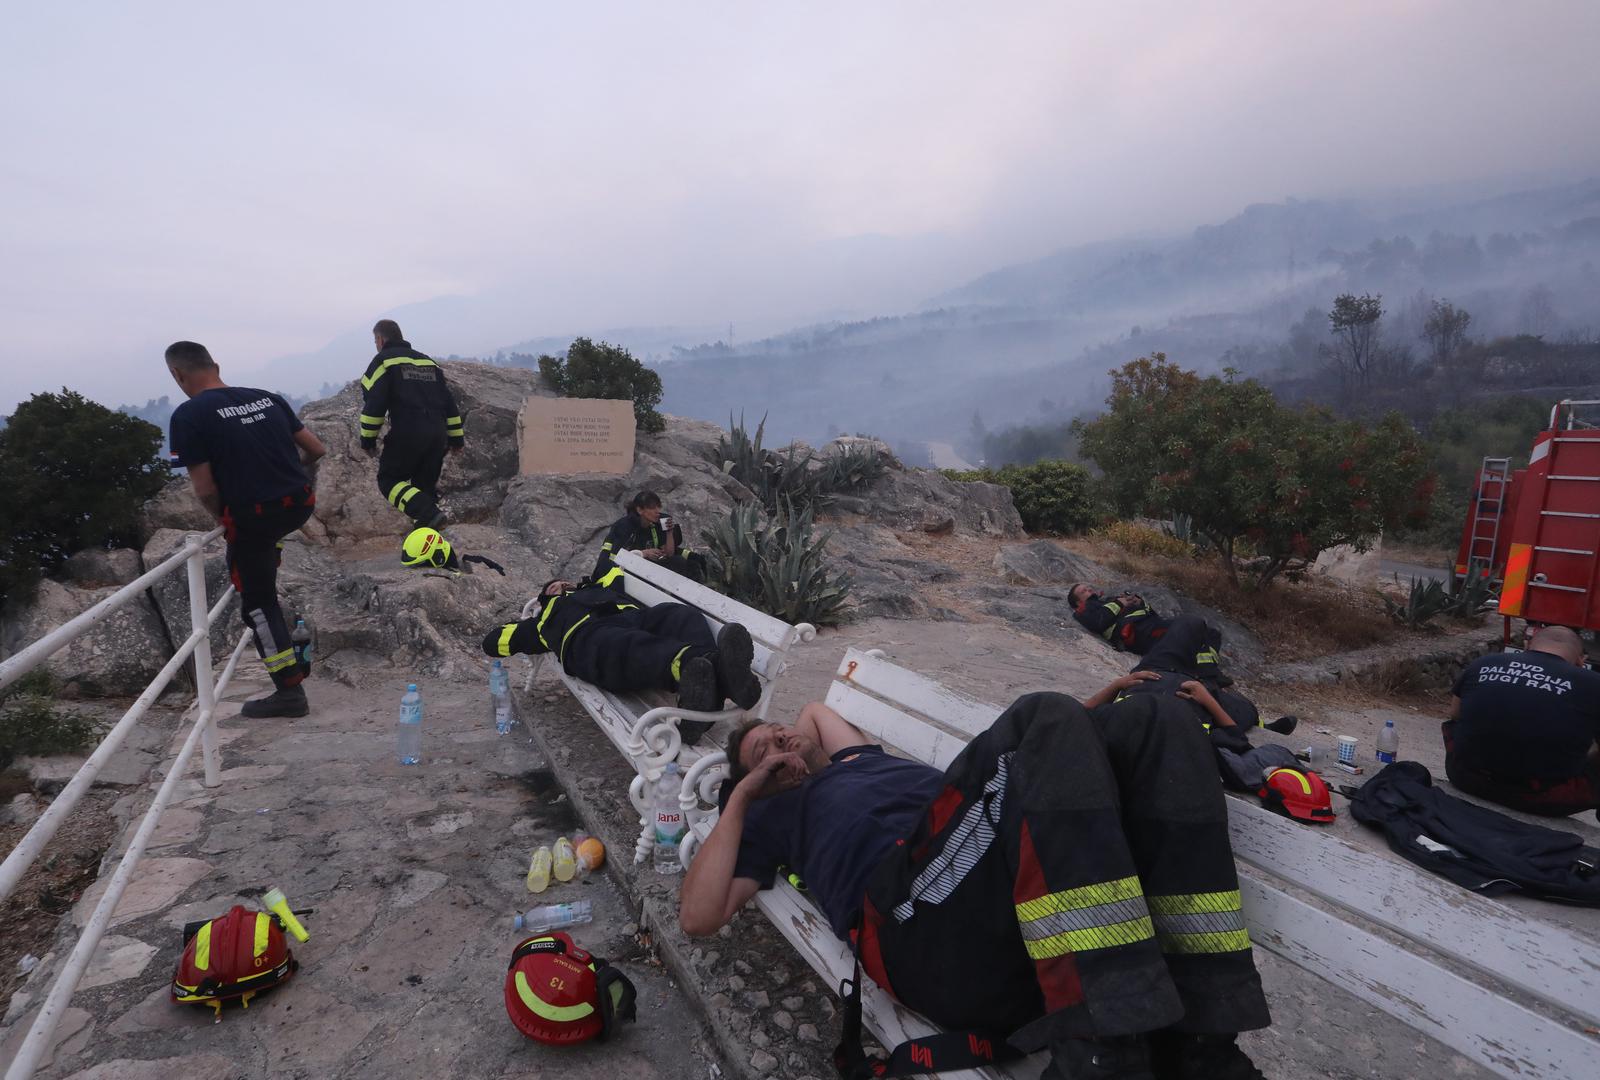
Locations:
(1292, 620)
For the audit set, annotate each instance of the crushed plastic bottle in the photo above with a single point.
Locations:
(554, 917)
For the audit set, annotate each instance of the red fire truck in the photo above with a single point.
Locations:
(1537, 530)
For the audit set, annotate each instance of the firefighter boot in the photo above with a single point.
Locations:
(1124, 1058)
(287, 702)
(1283, 725)
(1178, 1056)
(735, 653)
(697, 688)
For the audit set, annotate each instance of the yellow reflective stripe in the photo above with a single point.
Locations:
(202, 948)
(407, 497)
(610, 577)
(1189, 944)
(369, 381)
(549, 606)
(558, 1014)
(263, 927)
(505, 638)
(452, 421)
(371, 421)
(395, 491)
(1108, 892)
(561, 653)
(1194, 903)
(606, 546)
(1096, 937)
(677, 663)
(1297, 774)
(278, 661)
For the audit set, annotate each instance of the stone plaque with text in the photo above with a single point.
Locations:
(561, 436)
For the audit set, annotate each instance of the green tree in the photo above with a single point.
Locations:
(1249, 472)
(78, 474)
(1446, 331)
(1354, 323)
(606, 371)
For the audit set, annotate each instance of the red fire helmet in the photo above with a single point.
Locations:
(559, 994)
(1298, 794)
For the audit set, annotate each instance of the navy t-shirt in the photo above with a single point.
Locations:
(248, 438)
(1526, 715)
(835, 828)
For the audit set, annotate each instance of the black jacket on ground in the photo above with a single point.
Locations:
(1473, 846)
(410, 389)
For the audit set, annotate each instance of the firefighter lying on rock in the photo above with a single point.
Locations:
(1066, 883)
(600, 635)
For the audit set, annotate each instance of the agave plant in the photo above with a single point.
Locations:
(772, 562)
(1426, 599)
(789, 476)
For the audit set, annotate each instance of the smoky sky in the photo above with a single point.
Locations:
(264, 178)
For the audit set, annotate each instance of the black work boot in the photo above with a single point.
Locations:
(735, 653)
(1178, 1056)
(697, 687)
(1123, 1058)
(692, 731)
(289, 702)
(1283, 725)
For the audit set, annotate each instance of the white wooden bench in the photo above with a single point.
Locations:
(1482, 976)
(644, 726)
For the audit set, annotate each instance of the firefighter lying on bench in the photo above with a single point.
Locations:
(1012, 895)
(600, 635)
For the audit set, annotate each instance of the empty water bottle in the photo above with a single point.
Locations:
(409, 730)
(500, 698)
(669, 820)
(1388, 743)
(300, 638)
(554, 916)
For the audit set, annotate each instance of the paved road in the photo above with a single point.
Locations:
(1409, 571)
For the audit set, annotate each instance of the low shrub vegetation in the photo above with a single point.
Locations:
(774, 561)
(796, 478)
(31, 722)
(606, 371)
(1139, 539)
(1053, 497)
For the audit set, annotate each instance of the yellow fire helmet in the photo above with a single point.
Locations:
(425, 547)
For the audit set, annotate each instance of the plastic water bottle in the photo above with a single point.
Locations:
(554, 916)
(500, 698)
(563, 861)
(409, 730)
(669, 820)
(300, 638)
(1388, 743)
(539, 870)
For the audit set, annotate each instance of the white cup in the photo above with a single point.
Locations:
(1347, 749)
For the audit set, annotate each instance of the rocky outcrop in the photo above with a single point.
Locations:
(119, 655)
(171, 593)
(1044, 562)
(97, 568)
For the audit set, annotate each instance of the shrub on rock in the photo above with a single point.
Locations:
(606, 371)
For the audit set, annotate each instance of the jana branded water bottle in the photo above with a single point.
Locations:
(554, 916)
(669, 820)
(300, 638)
(563, 860)
(409, 730)
(1388, 743)
(500, 698)
(539, 870)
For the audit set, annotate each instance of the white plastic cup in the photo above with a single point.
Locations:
(1347, 749)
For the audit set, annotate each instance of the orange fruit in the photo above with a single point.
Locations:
(591, 854)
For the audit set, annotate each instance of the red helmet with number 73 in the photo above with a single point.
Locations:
(559, 994)
(1298, 794)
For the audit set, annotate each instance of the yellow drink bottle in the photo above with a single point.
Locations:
(539, 870)
(564, 862)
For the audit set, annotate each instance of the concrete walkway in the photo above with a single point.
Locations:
(414, 874)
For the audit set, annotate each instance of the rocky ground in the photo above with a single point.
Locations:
(414, 873)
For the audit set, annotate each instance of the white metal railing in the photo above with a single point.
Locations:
(203, 734)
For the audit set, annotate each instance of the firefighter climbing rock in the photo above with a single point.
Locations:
(410, 389)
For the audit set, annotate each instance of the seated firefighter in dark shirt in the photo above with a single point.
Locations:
(1524, 728)
(1066, 883)
(602, 636)
(659, 539)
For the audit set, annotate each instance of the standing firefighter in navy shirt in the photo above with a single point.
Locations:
(247, 454)
(1524, 728)
(410, 389)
